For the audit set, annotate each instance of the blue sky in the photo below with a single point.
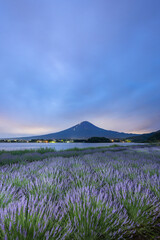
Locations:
(63, 62)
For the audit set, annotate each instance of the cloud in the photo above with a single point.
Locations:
(65, 62)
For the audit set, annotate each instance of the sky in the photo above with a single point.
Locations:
(64, 62)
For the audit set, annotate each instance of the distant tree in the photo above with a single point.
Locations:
(98, 140)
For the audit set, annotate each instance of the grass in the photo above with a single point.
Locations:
(21, 152)
(91, 148)
(31, 155)
(46, 150)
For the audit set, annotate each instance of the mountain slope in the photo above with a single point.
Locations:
(82, 131)
(155, 137)
(148, 137)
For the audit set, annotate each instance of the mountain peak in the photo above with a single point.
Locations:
(85, 123)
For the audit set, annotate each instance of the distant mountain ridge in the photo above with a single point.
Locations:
(83, 130)
(147, 137)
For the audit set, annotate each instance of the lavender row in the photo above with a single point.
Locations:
(110, 195)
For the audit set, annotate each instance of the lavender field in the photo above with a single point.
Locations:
(108, 194)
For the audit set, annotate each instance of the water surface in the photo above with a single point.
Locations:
(56, 146)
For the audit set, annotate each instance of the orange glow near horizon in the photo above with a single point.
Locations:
(16, 129)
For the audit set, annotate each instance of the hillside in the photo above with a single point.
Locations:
(149, 137)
